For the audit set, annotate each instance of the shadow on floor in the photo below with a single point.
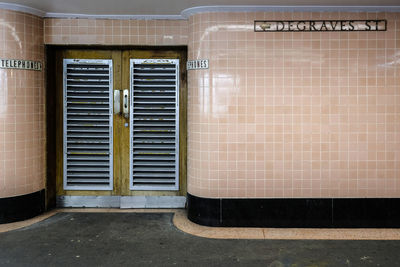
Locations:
(151, 239)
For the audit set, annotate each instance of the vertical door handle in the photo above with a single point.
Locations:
(125, 103)
(117, 102)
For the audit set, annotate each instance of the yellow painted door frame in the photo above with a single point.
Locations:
(121, 78)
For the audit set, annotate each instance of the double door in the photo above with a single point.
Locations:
(121, 123)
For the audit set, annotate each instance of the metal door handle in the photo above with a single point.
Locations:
(125, 103)
(117, 102)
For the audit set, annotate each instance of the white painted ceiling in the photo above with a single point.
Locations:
(173, 7)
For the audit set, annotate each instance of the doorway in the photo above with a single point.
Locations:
(120, 127)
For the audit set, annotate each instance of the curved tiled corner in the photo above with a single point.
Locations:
(22, 106)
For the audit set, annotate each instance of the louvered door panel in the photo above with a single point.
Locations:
(88, 124)
(154, 125)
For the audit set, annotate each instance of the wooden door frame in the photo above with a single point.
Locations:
(53, 110)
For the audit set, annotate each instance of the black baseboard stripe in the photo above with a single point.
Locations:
(305, 213)
(23, 207)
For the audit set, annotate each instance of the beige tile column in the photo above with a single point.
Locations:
(22, 106)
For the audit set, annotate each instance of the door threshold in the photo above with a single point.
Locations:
(123, 202)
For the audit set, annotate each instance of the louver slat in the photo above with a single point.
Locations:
(154, 124)
(88, 124)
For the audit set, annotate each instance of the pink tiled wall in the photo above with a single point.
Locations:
(293, 114)
(276, 115)
(115, 32)
(22, 96)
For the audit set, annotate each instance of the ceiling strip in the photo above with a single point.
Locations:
(21, 8)
(185, 14)
(202, 9)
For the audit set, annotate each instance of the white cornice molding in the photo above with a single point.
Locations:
(91, 16)
(185, 14)
(41, 13)
(202, 9)
(21, 8)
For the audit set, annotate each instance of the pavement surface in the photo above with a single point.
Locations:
(151, 239)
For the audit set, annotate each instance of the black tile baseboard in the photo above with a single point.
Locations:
(295, 212)
(204, 211)
(23, 207)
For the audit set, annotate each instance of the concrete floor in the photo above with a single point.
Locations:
(151, 239)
